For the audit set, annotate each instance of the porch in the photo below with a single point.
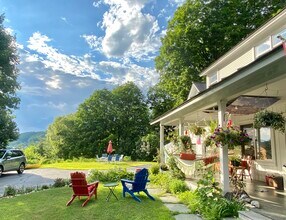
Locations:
(272, 201)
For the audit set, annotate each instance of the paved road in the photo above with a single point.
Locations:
(32, 177)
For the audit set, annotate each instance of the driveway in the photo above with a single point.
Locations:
(33, 177)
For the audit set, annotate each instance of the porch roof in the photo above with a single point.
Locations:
(269, 68)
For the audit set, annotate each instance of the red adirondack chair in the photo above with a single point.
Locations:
(81, 188)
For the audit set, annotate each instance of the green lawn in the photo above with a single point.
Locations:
(87, 165)
(50, 204)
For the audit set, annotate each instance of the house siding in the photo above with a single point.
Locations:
(242, 61)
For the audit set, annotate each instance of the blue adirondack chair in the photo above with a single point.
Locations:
(137, 185)
(109, 158)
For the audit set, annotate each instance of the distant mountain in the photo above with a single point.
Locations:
(27, 138)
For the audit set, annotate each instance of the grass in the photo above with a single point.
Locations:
(87, 165)
(51, 204)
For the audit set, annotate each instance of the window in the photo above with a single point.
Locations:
(276, 41)
(264, 149)
(248, 150)
(212, 78)
(262, 48)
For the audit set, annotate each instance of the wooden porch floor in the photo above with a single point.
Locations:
(272, 201)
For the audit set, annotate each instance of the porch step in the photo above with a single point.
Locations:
(251, 215)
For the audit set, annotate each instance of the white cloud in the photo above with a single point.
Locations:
(64, 19)
(119, 73)
(97, 3)
(54, 83)
(128, 31)
(52, 58)
(49, 105)
(93, 41)
(9, 31)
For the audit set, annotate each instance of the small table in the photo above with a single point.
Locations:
(111, 187)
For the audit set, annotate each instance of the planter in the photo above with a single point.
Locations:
(187, 156)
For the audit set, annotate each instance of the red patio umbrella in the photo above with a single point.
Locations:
(109, 147)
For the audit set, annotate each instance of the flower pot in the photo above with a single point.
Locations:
(187, 156)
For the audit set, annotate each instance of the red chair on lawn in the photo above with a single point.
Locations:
(81, 188)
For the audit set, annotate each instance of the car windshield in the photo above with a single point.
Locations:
(2, 152)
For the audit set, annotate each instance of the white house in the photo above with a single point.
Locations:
(248, 78)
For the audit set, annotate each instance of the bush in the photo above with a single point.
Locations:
(208, 201)
(126, 158)
(112, 175)
(10, 191)
(163, 180)
(178, 186)
(59, 182)
(175, 171)
(191, 199)
(154, 169)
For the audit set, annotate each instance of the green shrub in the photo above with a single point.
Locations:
(126, 158)
(207, 200)
(191, 199)
(59, 182)
(163, 180)
(175, 171)
(44, 187)
(222, 208)
(112, 175)
(154, 169)
(10, 191)
(178, 186)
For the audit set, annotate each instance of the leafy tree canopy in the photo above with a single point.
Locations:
(8, 86)
(120, 115)
(202, 31)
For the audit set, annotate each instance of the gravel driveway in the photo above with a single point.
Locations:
(33, 177)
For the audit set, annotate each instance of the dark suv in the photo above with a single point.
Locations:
(12, 160)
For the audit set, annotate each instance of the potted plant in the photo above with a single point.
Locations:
(235, 160)
(271, 119)
(230, 136)
(196, 130)
(186, 144)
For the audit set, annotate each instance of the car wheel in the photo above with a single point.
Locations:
(21, 168)
(1, 170)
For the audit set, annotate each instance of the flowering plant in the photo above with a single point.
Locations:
(270, 119)
(230, 136)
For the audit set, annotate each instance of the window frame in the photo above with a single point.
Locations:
(210, 76)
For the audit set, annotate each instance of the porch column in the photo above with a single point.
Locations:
(224, 175)
(162, 152)
(181, 127)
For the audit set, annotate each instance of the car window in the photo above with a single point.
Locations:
(17, 153)
(2, 152)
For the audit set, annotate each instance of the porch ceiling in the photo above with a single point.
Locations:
(249, 81)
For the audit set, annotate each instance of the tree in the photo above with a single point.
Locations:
(8, 86)
(61, 138)
(202, 31)
(95, 122)
(132, 117)
(159, 101)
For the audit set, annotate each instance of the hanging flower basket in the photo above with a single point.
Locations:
(230, 137)
(196, 130)
(271, 119)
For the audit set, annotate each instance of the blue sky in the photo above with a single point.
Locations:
(70, 48)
